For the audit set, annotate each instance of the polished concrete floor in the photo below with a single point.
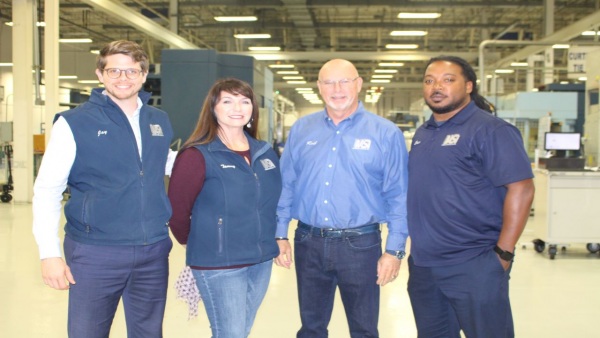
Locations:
(551, 298)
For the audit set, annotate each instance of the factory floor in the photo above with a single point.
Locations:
(550, 298)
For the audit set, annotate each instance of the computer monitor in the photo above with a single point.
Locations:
(562, 141)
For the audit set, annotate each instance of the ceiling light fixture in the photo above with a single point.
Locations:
(409, 15)
(293, 77)
(504, 71)
(401, 46)
(388, 71)
(296, 82)
(288, 72)
(391, 64)
(252, 36)
(6, 64)
(235, 18)
(590, 33)
(519, 64)
(561, 46)
(88, 81)
(383, 76)
(264, 49)
(381, 81)
(281, 66)
(79, 40)
(408, 33)
(67, 77)
(267, 57)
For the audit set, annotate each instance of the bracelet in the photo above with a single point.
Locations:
(281, 239)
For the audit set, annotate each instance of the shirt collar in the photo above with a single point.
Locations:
(461, 117)
(139, 104)
(360, 110)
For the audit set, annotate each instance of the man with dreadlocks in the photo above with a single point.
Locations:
(469, 193)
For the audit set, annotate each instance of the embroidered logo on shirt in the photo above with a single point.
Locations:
(451, 140)
(417, 142)
(311, 143)
(227, 166)
(102, 132)
(156, 130)
(362, 144)
(267, 164)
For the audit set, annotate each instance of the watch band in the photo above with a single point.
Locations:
(505, 255)
(398, 254)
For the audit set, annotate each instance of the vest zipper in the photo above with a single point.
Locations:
(220, 234)
(142, 206)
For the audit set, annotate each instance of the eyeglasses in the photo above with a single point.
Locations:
(131, 73)
(344, 83)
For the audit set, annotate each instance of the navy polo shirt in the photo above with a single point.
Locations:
(457, 174)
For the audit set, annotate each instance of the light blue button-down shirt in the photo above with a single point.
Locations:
(345, 176)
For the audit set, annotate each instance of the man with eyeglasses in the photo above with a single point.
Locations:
(113, 153)
(344, 172)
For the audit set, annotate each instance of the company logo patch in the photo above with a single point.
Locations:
(417, 142)
(227, 166)
(451, 140)
(362, 144)
(156, 130)
(311, 143)
(267, 164)
(102, 132)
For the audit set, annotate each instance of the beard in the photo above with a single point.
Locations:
(450, 107)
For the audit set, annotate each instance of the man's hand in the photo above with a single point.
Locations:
(285, 258)
(56, 273)
(388, 268)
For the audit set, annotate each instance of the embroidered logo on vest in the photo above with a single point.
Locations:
(156, 130)
(267, 164)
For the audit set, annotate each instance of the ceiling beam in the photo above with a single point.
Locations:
(355, 56)
(141, 23)
(565, 34)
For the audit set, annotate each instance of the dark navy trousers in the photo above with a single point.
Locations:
(105, 274)
(470, 296)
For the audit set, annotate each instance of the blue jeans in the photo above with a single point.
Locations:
(470, 296)
(231, 297)
(347, 262)
(103, 274)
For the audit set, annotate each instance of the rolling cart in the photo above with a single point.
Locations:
(7, 187)
(565, 207)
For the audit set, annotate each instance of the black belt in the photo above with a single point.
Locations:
(330, 232)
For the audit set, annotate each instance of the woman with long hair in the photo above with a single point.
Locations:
(224, 190)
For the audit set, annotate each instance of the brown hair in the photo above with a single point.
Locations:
(207, 127)
(124, 47)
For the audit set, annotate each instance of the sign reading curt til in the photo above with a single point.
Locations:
(576, 61)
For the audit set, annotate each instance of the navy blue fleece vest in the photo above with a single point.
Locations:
(116, 198)
(233, 219)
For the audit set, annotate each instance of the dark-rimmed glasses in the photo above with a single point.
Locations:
(130, 73)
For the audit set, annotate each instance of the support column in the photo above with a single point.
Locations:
(549, 52)
(22, 13)
(51, 63)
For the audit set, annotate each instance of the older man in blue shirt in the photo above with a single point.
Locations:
(344, 173)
